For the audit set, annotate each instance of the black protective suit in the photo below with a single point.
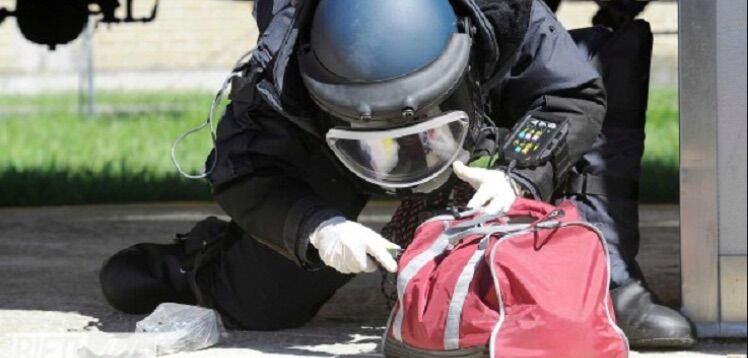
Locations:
(277, 179)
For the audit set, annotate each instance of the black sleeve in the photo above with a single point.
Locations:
(552, 75)
(263, 161)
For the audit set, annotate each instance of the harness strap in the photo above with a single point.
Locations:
(586, 184)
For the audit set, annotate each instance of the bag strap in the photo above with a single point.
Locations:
(408, 272)
(459, 296)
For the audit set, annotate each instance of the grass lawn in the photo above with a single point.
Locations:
(52, 155)
(49, 154)
(660, 165)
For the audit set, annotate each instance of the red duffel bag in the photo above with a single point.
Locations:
(530, 283)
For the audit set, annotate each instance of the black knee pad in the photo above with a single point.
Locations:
(139, 278)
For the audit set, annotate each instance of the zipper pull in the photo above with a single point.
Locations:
(550, 222)
(555, 214)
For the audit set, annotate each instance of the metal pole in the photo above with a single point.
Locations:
(86, 93)
(713, 106)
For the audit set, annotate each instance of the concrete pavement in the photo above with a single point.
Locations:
(49, 258)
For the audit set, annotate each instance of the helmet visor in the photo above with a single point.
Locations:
(405, 156)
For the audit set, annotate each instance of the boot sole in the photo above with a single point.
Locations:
(396, 349)
(667, 343)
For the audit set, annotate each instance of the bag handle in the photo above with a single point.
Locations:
(477, 221)
(455, 237)
(476, 226)
(528, 207)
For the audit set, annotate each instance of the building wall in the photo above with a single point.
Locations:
(662, 16)
(193, 43)
(188, 34)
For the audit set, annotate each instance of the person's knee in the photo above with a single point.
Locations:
(273, 317)
(282, 302)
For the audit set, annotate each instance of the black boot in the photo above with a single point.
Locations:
(649, 325)
(139, 278)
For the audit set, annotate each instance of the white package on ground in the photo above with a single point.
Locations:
(181, 328)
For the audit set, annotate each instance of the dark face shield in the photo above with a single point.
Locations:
(405, 156)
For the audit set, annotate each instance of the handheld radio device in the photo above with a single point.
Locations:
(537, 139)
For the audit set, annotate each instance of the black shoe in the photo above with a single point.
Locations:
(139, 278)
(649, 325)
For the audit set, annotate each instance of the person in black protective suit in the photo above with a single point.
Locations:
(343, 100)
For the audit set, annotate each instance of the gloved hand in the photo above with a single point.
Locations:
(494, 189)
(350, 247)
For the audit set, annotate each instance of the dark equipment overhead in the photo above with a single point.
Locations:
(55, 22)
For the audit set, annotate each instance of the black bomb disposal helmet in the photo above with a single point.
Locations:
(396, 76)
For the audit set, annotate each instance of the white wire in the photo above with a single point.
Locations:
(209, 123)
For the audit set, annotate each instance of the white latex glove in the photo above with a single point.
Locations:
(350, 247)
(494, 189)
